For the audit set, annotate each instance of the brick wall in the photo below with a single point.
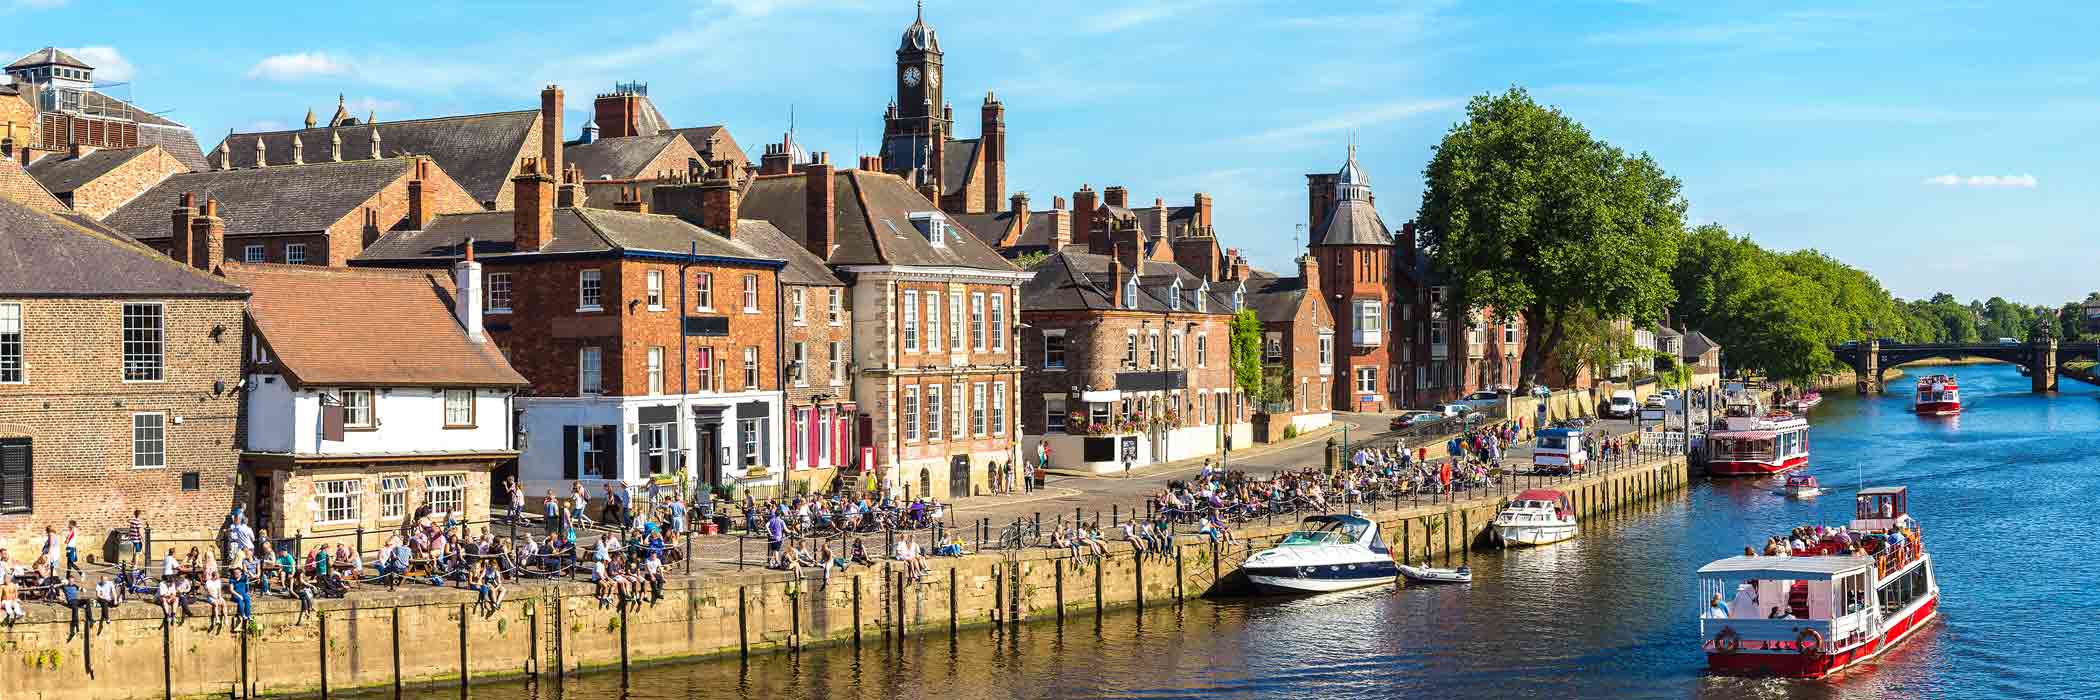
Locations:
(16, 110)
(113, 189)
(346, 236)
(1095, 345)
(816, 334)
(77, 410)
(293, 497)
(641, 328)
(544, 332)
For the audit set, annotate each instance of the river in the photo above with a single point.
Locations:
(1612, 613)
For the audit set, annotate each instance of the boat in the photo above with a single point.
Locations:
(1800, 486)
(1830, 607)
(1326, 553)
(1424, 574)
(1938, 395)
(1535, 517)
(1754, 444)
(1805, 401)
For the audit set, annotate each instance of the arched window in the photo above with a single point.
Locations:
(1130, 294)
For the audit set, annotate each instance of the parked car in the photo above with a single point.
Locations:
(1453, 409)
(2008, 341)
(1621, 404)
(1410, 419)
(1481, 400)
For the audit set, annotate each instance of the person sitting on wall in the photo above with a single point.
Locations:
(860, 554)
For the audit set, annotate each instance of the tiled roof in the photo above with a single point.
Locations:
(619, 158)
(958, 164)
(45, 253)
(1036, 230)
(477, 150)
(276, 199)
(1074, 280)
(21, 187)
(700, 136)
(176, 139)
(1353, 222)
(873, 214)
(377, 327)
(1696, 344)
(576, 230)
(47, 55)
(803, 267)
(1275, 298)
(61, 174)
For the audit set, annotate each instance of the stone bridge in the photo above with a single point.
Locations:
(2040, 357)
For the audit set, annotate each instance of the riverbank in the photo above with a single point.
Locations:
(1946, 362)
(433, 636)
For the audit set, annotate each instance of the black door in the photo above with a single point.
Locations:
(958, 476)
(710, 453)
(261, 507)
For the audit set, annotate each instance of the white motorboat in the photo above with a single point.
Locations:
(1424, 574)
(1535, 517)
(1799, 486)
(1326, 553)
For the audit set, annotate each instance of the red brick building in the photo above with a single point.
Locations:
(1298, 346)
(919, 144)
(1357, 259)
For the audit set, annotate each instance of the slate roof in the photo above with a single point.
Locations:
(873, 214)
(21, 187)
(576, 230)
(958, 164)
(276, 199)
(477, 150)
(61, 174)
(1353, 222)
(1696, 344)
(1074, 280)
(621, 157)
(1273, 298)
(1664, 331)
(47, 55)
(379, 327)
(700, 136)
(45, 253)
(803, 267)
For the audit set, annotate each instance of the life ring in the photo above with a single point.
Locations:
(1810, 642)
(1727, 641)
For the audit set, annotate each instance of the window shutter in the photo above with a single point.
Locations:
(612, 455)
(569, 467)
(332, 423)
(15, 476)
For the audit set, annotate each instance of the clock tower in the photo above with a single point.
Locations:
(917, 126)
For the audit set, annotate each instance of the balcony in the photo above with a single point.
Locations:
(1367, 337)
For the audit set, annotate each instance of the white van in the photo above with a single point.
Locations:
(1621, 404)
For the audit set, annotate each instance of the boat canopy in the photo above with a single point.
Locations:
(1745, 435)
(1548, 495)
(1793, 568)
(1348, 528)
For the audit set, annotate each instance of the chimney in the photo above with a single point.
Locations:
(720, 202)
(76, 150)
(707, 199)
(1197, 250)
(930, 191)
(618, 113)
(1407, 241)
(466, 282)
(1203, 210)
(1319, 197)
(1018, 224)
(532, 221)
(375, 143)
(871, 164)
(820, 191)
(1116, 196)
(1018, 204)
(1060, 226)
(631, 200)
(1309, 269)
(1116, 277)
(779, 159)
(550, 130)
(371, 229)
(1085, 213)
(208, 238)
(1159, 217)
(1057, 202)
(181, 244)
(571, 193)
(418, 195)
(992, 139)
(298, 151)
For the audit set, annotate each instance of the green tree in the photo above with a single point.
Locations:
(1246, 352)
(1028, 261)
(1533, 217)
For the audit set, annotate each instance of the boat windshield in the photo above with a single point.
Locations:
(1330, 532)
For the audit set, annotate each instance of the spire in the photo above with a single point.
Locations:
(919, 36)
(310, 121)
(342, 112)
(1351, 184)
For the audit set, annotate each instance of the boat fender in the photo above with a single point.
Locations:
(1727, 641)
(1810, 642)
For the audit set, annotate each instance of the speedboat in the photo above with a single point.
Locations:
(1424, 574)
(1799, 486)
(1938, 395)
(1326, 553)
(1535, 517)
(1841, 601)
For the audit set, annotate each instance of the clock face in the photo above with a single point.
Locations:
(911, 76)
(933, 77)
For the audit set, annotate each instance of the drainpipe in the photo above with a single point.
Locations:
(780, 370)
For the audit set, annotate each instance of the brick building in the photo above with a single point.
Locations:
(1298, 347)
(1019, 230)
(933, 323)
(53, 100)
(1357, 257)
(919, 144)
(1449, 357)
(652, 344)
(387, 399)
(96, 181)
(637, 146)
(18, 186)
(119, 371)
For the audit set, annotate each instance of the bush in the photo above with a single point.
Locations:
(1290, 431)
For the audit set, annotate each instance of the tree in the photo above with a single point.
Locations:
(1246, 352)
(1028, 261)
(1531, 216)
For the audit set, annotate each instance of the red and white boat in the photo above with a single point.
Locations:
(1846, 598)
(1805, 401)
(1757, 444)
(1938, 395)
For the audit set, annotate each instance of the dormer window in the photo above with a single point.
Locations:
(1239, 298)
(1174, 296)
(1203, 298)
(1130, 294)
(933, 226)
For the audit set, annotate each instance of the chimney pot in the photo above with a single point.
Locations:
(532, 220)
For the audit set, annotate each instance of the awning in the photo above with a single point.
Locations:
(1747, 435)
(1785, 567)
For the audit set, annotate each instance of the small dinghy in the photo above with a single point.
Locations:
(1423, 574)
(1800, 486)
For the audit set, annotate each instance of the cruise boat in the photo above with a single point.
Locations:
(1535, 517)
(1326, 553)
(1826, 609)
(1757, 445)
(1800, 486)
(1938, 395)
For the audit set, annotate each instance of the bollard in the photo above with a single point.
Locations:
(321, 618)
(688, 551)
(740, 552)
(1115, 515)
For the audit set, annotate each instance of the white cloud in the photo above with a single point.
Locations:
(1127, 17)
(299, 66)
(108, 63)
(1370, 116)
(2025, 182)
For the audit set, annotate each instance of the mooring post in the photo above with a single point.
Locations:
(321, 619)
(463, 650)
(623, 644)
(856, 611)
(167, 661)
(396, 629)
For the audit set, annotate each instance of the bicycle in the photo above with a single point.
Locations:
(1020, 534)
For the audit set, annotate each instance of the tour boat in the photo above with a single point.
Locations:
(1758, 445)
(1424, 574)
(1826, 609)
(1938, 395)
(1326, 553)
(1799, 486)
(1535, 517)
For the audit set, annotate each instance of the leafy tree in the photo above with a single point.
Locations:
(1531, 216)
(1028, 261)
(1246, 352)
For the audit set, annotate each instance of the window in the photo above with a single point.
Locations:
(393, 497)
(1203, 298)
(149, 440)
(1130, 294)
(1326, 350)
(1152, 349)
(1174, 350)
(1509, 333)
(977, 322)
(799, 370)
(459, 408)
(589, 293)
(999, 408)
(933, 412)
(838, 359)
(253, 254)
(750, 367)
(834, 309)
(357, 408)
(750, 429)
(823, 426)
(704, 361)
(1366, 379)
(1054, 413)
(933, 321)
(956, 427)
(11, 344)
(1054, 349)
(1174, 296)
(341, 500)
(955, 314)
(1130, 356)
(1436, 332)
(295, 253)
(499, 292)
(1239, 298)
(653, 289)
(704, 291)
(999, 322)
(911, 320)
(144, 331)
(1367, 313)
(750, 294)
(1272, 348)
(977, 426)
(655, 371)
(445, 493)
(795, 307)
(1203, 350)
(909, 414)
(590, 376)
(1098, 412)
(594, 447)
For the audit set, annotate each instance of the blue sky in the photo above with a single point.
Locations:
(1940, 146)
